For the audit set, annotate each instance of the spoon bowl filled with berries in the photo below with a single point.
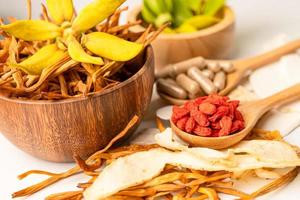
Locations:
(211, 121)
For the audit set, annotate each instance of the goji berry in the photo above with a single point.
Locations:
(226, 124)
(212, 115)
(221, 112)
(215, 133)
(191, 105)
(237, 125)
(235, 103)
(238, 115)
(215, 125)
(217, 100)
(199, 100)
(202, 131)
(178, 113)
(190, 125)
(181, 123)
(208, 108)
(200, 118)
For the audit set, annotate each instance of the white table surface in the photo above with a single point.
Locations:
(257, 22)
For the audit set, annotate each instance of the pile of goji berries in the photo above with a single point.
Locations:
(209, 116)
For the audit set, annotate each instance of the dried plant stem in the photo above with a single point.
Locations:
(29, 9)
(288, 177)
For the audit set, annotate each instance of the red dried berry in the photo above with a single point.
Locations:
(202, 131)
(237, 126)
(238, 115)
(226, 124)
(190, 125)
(212, 116)
(208, 108)
(181, 123)
(217, 100)
(235, 103)
(191, 106)
(221, 112)
(215, 125)
(178, 113)
(214, 133)
(199, 100)
(200, 118)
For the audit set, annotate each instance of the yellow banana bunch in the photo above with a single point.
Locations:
(95, 13)
(32, 30)
(77, 53)
(45, 57)
(60, 10)
(111, 47)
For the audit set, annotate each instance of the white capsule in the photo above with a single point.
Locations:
(220, 80)
(170, 87)
(227, 66)
(208, 73)
(205, 83)
(188, 84)
(214, 66)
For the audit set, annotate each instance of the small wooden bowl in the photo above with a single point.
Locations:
(56, 130)
(214, 42)
(208, 142)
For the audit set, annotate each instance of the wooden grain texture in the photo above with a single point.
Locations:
(55, 130)
(252, 112)
(215, 42)
(243, 67)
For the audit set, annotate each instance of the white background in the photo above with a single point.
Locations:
(257, 22)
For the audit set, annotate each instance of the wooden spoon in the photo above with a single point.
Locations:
(252, 112)
(244, 67)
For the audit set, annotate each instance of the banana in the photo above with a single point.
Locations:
(147, 14)
(78, 54)
(195, 5)
(45, 57)
(111, 47)
(32, 30)
(213, 6)
(95, 13)
(60, 10)
(186, 28)
(201, 21)
(162, 19)
(169, 5)
(181, 12)
(155, 6)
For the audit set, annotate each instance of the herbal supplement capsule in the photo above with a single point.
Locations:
(171, 88)
(188, 84)
(164, 72)
(206, 84)
(173, 70)
(208, 73)
(227, 66)
(220, 80)
(213, 66)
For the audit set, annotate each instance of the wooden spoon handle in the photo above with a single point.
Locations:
(267, 58)
(286, 96)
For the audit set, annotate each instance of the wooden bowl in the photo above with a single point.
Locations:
(56, 130)
(214, 42)
(208, 142)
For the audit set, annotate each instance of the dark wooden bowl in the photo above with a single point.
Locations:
(55, 130)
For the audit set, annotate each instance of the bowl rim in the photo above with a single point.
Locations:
(149, 54)
(227, 20)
